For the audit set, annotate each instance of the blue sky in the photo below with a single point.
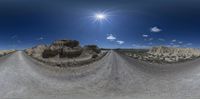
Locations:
(129, 24)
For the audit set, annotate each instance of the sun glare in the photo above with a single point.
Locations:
(100, 16)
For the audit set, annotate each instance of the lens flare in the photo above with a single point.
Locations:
(101, 17)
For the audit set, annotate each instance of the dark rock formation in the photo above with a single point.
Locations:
(93, 48)
(63, 49)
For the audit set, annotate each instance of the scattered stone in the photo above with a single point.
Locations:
(162, 54)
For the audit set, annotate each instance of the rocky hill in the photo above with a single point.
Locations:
(64, 51)
(162, 54)
(5, 52)
(172, 51)
(174, 54)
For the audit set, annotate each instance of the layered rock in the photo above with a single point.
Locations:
(5, 52)
(36, 51)
(62, 49)
(64, 53)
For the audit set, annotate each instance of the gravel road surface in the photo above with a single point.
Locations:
(113, 77)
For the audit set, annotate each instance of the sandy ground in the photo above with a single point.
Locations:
(115, 76)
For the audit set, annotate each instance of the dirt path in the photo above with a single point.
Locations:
(114, 76)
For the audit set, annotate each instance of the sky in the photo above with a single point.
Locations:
(127, 23)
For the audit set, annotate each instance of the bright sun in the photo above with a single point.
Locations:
(100, 16)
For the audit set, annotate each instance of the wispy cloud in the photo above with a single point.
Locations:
(14, 37)
(40, 38)
(111, 37)
(145, 35)
(19, 41)
(120, 42)
(150, 43)
(161, 39)
(171, 43)
(174, 40)
(180, 42)
(189, 44)
(150, 39)
(155, 29)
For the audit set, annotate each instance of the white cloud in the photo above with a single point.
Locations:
(150, 43)
(155, 29)
(174, 40)
(110, 37)
(171, 43)
(40, 38)
(180, 42)
(160, 39)
(145, 35)
(120, 42)
(150, 39)
(189, 44)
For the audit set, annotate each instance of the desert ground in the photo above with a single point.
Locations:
(114, 76)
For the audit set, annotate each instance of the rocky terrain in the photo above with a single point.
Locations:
(64, 53)
(163, 54)
(5, 52)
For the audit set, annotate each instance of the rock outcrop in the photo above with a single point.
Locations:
(36, 51)
(65, 52)
(5, 52)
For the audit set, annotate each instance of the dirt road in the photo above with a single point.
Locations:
(114, 76)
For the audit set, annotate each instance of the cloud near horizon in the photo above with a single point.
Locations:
(140, 46)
